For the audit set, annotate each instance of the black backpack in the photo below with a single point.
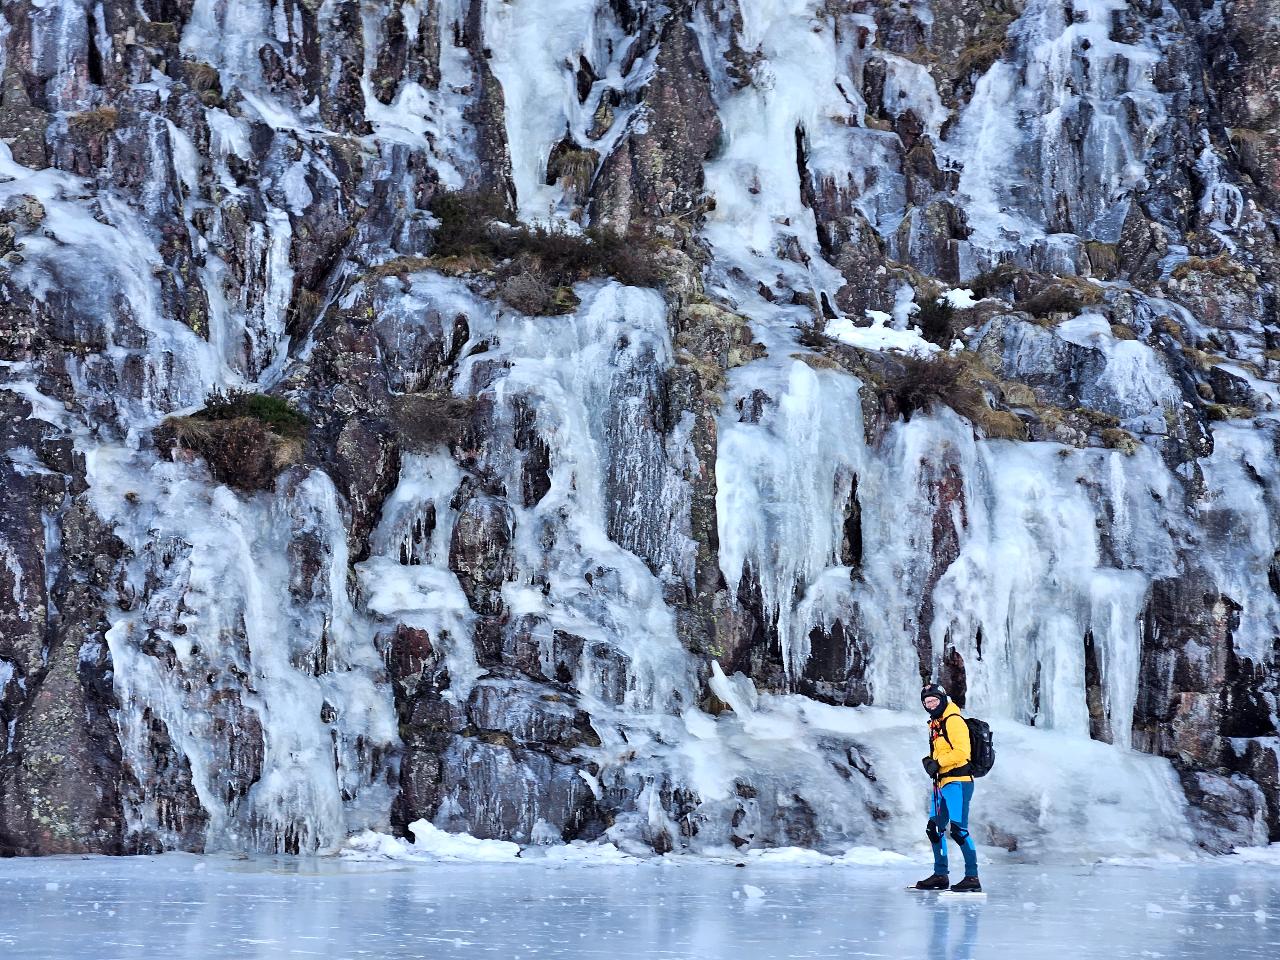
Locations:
(982, 748)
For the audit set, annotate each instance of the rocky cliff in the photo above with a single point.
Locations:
(550, 417)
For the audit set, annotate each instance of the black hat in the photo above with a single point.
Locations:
(935, 690)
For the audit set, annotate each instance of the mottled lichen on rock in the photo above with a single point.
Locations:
(426, 420)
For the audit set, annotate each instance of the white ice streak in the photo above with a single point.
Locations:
(1221, 202)
(233, 646)
(1068, 120)
(1134, 383)
(408, 581)
(532, 42)
(589, 381)
(64, 259)
(431, 117)
(801, 85)
(1033, 577)
(57, 44)
(1027, 575)
(231, 35)
(1243, 498)
(783, 485)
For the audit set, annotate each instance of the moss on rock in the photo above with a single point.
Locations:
(1116, 439)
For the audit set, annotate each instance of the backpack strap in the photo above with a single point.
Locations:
(942, 728)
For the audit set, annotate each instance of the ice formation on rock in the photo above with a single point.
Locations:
(961, 363)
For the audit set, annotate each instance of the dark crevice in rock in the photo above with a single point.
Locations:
(1099, 714)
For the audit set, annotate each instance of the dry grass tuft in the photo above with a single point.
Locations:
(426, 420)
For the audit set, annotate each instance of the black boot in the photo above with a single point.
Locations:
(967, 885)
(936, 881)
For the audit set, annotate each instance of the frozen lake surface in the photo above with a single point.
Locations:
(180, 907)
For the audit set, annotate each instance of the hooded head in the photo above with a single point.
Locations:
(939, 693)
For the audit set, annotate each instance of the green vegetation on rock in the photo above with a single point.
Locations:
(272, 412)
(245, 438)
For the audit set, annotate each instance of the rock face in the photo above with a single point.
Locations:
(655, 170)
(633, 571)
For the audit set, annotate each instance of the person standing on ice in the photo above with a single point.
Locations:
(948, 763)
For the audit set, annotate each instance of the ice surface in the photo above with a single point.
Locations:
(156, 908)
(1268, 855)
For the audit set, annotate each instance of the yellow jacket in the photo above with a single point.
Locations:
(953, 750)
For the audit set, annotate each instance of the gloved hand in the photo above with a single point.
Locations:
(931, 767)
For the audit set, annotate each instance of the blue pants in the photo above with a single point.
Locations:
(951, 804)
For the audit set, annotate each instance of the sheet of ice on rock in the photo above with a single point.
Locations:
(208, 907)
